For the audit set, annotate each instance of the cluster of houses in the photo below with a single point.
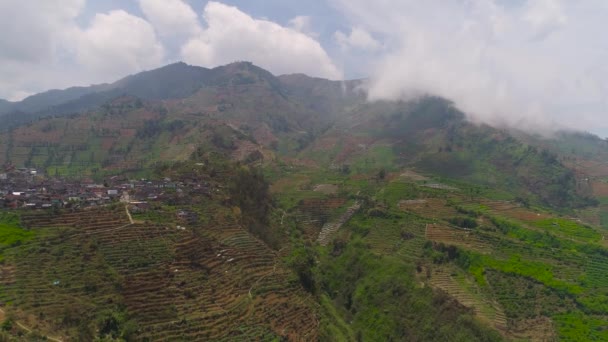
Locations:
(27, 188)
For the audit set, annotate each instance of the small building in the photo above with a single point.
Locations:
(138, 206)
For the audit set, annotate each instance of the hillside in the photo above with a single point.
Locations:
(4, 106)
(257, 207)
(432, 136)
(106, 272)
(241, 109)
(172, 81)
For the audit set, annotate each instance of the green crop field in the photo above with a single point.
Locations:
(11, 234)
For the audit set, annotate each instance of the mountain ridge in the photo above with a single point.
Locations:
(177, 80)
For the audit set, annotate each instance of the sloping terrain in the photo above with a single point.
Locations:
(311, 215)
(242, 110)
(172, 81)
(97, 272)
(431, 135)
(527, 272)
(245, 111)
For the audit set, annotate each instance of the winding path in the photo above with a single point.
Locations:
(28, 330)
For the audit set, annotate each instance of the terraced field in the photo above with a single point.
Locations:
(405, 240)
(458, 237)
(212, 280)
(197, 283)
(470, 295)
(436, 208)
(312, 215)
(550, 264)
(330, 228)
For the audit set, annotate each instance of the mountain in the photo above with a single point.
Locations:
(238, 108)
(241, 108)
(4, 106)
(172, 81)
(51, 98)
(290, 207)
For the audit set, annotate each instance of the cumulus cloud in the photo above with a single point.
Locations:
(118, 43)
(32, 35)
(534, 64)
(545, 16)
(231, 35)
(40, 22)
(171, 17)
(42, 46)
(357, 39)
(47, 44)
(303, 23)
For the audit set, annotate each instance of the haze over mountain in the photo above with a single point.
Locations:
(172, 81)
(529, 64)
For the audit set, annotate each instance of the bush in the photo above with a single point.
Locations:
(463, 222)
(7, 325)
(303, 261)
(377, 212)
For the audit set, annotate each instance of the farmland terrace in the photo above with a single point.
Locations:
(211, 281)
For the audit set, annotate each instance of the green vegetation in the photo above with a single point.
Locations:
(543, 261)
(379, 296)
(569, 228)
(249, 191)
(11, 234)
(304, 217)
(579, 327)
(464, 222)
(523, 298)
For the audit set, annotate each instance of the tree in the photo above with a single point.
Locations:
(302, 260)
(381, 174)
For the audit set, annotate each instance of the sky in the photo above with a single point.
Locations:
(534, 64)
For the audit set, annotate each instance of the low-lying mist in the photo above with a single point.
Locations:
(538, 65)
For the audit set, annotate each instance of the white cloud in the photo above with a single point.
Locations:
(19, 95)
(116, 44)
(42, 46)
(232, 35)
(30, 30)
(357, 39)
(536, 64)
(32, 40)
(171, 17)
(545, 16)
(303, 23)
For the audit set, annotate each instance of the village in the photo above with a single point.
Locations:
(26, 188)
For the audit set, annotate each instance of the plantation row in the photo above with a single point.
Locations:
(458, 237)
(470, 296)
(332, 227)
(196, 283)
(435, 208)
(87, 219)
